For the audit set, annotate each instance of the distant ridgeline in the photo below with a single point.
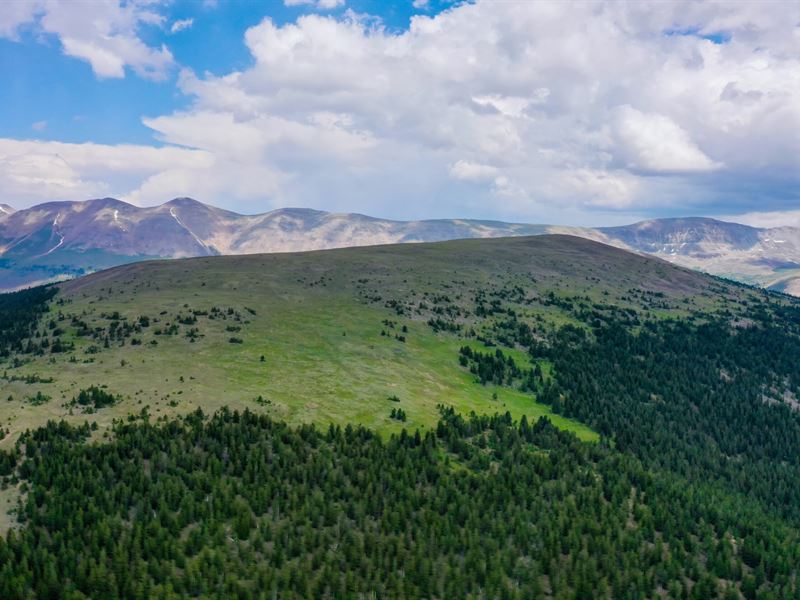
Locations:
(692, 492)
(58, 240)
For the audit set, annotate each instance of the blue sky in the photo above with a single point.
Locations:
(590, 113)
(44, 85)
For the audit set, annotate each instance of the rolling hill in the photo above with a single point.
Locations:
(66, 239)
(60, 240)
(542, 416)
(317, 319)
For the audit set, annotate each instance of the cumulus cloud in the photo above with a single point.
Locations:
(37, 171)
(600, 105)
(107, 38)
(532, 111)
(655, 143)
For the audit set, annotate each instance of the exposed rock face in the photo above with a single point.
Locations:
(769, 257)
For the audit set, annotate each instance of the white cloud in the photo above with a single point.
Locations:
(598, 108)
(787, 218)
(16, 14)
(180, 25)
(655, 143)
(35, 171)
(420, 4)
(469, 171)
(49, 174)
(107, 37)
(320, 4)
(602, 188)
(510, 106)
(39, 125)
(531, 111)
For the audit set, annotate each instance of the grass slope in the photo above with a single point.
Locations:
(317, 319)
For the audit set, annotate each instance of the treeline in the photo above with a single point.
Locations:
(703, 401)
(241, 506)
(19, 316)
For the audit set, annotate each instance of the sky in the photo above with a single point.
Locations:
(579, 113)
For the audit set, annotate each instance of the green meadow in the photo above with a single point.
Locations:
(316, 337)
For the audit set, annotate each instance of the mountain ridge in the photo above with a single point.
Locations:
(58, 240)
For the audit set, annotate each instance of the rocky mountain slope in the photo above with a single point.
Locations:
(766, 257)
(60, 240)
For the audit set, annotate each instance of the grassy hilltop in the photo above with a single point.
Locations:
(690, 384)
(327, 336)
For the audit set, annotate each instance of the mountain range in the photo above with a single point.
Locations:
(60, 240)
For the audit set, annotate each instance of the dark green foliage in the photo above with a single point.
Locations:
(33, 378)
(693, 399)
(187, 319)
(439, 324)
(19, 315)
(58, 346)
(398, 414)
(494, 367)
(8, 460)
(240, 506)
(95, 397)
(37, 399)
